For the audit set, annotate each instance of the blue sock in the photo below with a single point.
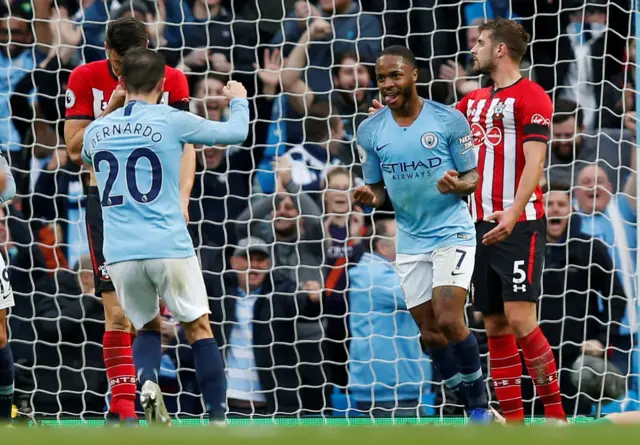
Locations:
(445, 363)
(6, 383)
(147, 355)
(467, 356)
(210, 376)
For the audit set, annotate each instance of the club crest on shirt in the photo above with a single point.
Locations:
(429, 140)
(362, 153)
(498, 110)
(104, 273)
(69, 98)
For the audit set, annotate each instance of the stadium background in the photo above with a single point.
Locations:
(293, 164)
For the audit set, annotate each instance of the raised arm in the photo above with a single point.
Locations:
(193, 129)
(302, 96)
(41, 25)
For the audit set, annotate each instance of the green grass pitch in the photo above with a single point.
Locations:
(423, 433)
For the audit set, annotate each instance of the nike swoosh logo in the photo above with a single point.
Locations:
(380, 148)
(456, 274)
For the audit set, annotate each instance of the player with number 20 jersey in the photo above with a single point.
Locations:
(137, 153)
(93, 92)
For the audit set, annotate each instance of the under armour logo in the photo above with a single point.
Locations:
(521, 288)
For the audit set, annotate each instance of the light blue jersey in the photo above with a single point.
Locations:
(410, 161)
(136, 153)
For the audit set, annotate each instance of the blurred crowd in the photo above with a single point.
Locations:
(275, 215)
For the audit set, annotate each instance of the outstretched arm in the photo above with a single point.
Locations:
(196, 130)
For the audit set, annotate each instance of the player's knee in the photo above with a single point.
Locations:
(522, 319)
(450, 324)
(198, 329)
(433, 338)
(496, 325)
(116, 320)
(154, 325)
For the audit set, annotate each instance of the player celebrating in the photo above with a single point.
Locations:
(510, 126)
(93, 92)
(7, 192)
(145, 140)
(422, 152)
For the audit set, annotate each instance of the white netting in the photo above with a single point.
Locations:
(582, 52)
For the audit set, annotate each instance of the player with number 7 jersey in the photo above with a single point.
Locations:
(136, 152)
(93, 92)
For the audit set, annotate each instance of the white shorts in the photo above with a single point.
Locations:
(419, 274)
(6, 291)
(178, 281)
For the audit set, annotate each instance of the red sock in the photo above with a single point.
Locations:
(506, 372)
(121, 373)
(542, 369)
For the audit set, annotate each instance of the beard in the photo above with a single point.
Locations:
(485, 68)
(407, 94)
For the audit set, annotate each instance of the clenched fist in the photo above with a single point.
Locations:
(365, 195)
(449, 182)
(235, 90)
(118, 97)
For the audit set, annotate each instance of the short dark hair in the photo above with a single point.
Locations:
(142, 69)
(335, 68)
(564, 109)
(126, 33)
(401, 51)
(509, 32)
(556, 186)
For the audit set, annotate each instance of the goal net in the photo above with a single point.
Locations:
(308, 67)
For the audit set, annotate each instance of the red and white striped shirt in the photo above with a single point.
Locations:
(501, 121)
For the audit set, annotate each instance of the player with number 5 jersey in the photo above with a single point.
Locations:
(136, 152)
(510, 125)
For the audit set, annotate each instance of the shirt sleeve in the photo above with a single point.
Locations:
(78, 98)
(461, 144)
(193, 129)
(537, 110)
(10, 187)
(179, 91)
(463, 104)
(368, 157)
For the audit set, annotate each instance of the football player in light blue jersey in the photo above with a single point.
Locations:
(422, 153)
(136, 153)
